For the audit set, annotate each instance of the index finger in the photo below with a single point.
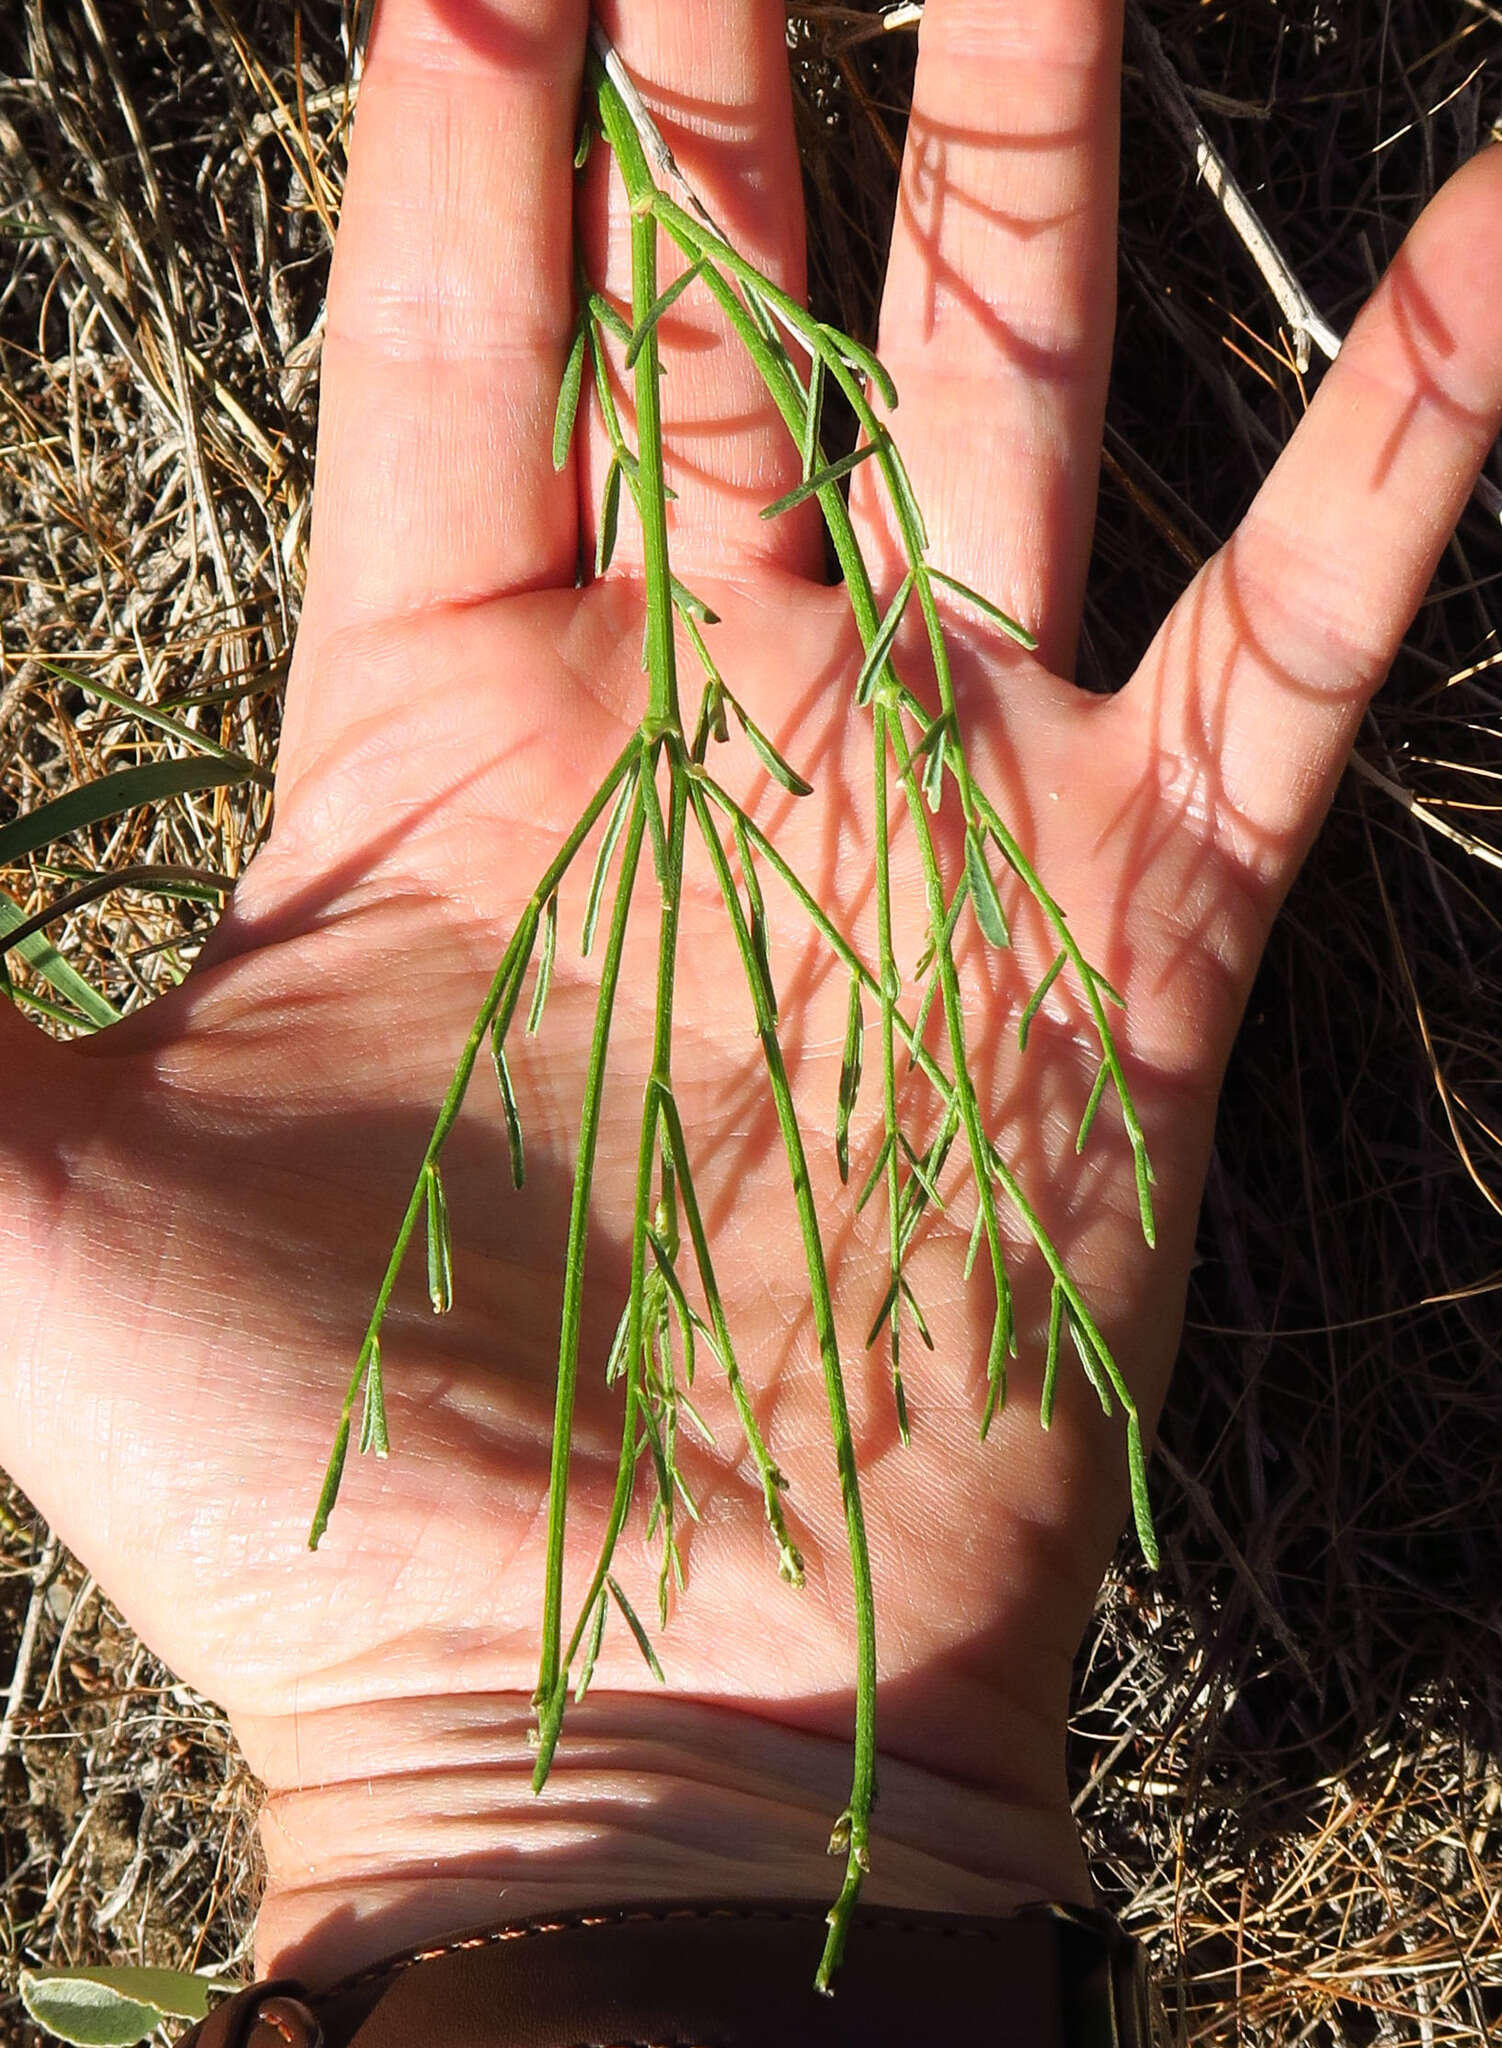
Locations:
(450, 306)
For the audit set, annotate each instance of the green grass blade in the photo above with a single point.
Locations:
(160, 720)
(110, 796)
(43, 958)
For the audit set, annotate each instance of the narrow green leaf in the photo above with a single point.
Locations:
(330, 1490)
(808, 452)
(683, 1313)
(110, 796)
(1051, 1360)
(1087, 1121)
(756, 903)
(592, 1648)
(1111, 995)
(899, 1396)
(156, 716)
(1144, 1192)
(933, 751)
(920, 1171)
(610, 517)
(1036, 999)
(907, 503)
(544, 965)
(643, 1642)
(567, 409)
(615, 1362)
(883, 1314)
(850, 1078)
(1010, 626)
(918, 1317)
(996, 1365)
(987, 904)
(812, 485)
(508, 1104)
(861, 358)
(1142, 1512)
(609, 318)
(657, 830)
(440, 1242)
(881, 645)
(873, 1178)
(977, 1232)
(43, 958)
(614, 825)
(374, 1435)
(584, 143)
(1094, 1372)
(659, 306)
(768, 755)
(691, 605)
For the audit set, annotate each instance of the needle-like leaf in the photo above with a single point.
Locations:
(812, 485)
(850, 1078)
(643, 1640)
(568, 397)
(661, 304)
(440, 1243)
(1036, 1000)
(544, 965)
(988, 911)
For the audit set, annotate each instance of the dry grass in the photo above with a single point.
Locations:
(1288, 1748)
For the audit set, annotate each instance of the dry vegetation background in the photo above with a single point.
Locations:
(1287, 1746)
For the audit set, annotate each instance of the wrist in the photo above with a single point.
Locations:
(396, 1823)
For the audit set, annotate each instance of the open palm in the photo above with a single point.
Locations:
(199, 1204)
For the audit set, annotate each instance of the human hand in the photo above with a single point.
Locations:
(209, 1189)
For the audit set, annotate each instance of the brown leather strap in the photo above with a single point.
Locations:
(723, 1976)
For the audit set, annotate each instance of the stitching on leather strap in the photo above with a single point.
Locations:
(892, 1922)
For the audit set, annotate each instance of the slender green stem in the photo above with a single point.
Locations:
(940, 1081)
(505, 987)
(789, 1563)
(650, 491)
(659, 1082)
(852, 1834)
(549, 1692)
(888, 969)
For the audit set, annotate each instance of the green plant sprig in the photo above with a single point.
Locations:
(652, 1358)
